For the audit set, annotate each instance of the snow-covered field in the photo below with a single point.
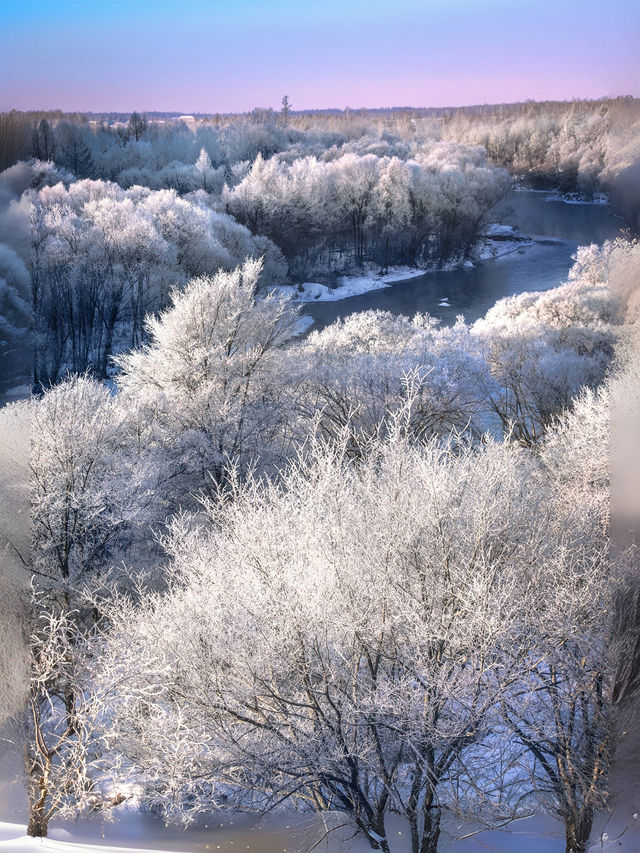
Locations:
(293, 834)
(303, 833)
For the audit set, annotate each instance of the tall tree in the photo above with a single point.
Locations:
(44, 146)
(286, 106)
(137, 126)
(72, 150)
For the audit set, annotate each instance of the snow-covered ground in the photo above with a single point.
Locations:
(353, 285)
(13, 837)
(301, 833)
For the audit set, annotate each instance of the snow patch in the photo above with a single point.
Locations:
(13, 837)
(350, 285)
(302, 324)
(496, 229)
(578, 198)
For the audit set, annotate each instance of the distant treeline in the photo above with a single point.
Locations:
(100, 217)
(607, 120)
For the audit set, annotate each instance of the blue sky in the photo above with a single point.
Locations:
(221, 57)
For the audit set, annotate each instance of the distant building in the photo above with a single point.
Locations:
(186, 118)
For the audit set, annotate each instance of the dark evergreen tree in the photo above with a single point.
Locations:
(44, 146)
(73, 152)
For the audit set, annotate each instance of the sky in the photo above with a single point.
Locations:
(213, 56)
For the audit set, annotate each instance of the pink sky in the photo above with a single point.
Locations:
(210, 56)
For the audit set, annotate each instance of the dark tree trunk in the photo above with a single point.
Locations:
(578, 830)
(38, 826)
(430, 831)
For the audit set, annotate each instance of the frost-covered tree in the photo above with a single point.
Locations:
(60, 720)
(358, 207)
(102, 258)
(563, 712)
(340, 639)
(88, 493)
(354, 372)
(206, 174)
(206, 384)
(91, 501)
(542, 348)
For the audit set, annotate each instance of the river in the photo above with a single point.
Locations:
(558, 228)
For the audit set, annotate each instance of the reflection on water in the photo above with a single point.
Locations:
(579, 223)
(560, 227)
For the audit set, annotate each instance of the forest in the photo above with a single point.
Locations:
(364, 569)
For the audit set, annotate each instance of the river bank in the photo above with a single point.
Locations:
(554, 229)
(498, 240)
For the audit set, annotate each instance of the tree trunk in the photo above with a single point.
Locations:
(379, 843)
(431, 831)
(375, 833)
(578, 830)
(38, 822)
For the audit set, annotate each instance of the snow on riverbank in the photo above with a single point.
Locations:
(578, 198)
(498, 240)
(13, 837)
(302, 324)
(352, 285)
(597, 198)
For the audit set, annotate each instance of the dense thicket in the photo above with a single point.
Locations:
(574, 145)
(103, 258)
(326, 214)
(360, 637)
(143, 204)
(407, 616)
(366, 571)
